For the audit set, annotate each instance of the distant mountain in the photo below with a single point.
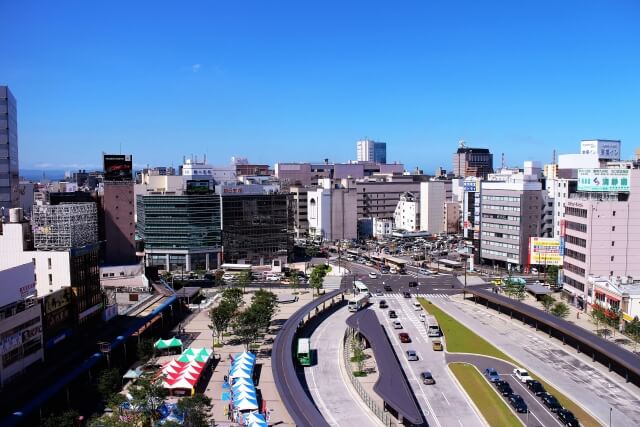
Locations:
(37, 174)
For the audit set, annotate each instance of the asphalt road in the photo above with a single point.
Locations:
(337, 401)
(443, 403)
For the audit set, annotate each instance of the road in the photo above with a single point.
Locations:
(443, 403)
(337, 401)
(575, 375)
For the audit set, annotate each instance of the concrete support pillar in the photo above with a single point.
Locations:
(206, 261)
(167, 262)
(187, 262)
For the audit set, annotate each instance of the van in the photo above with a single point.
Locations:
(397, 324)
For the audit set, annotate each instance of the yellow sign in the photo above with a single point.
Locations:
(545, 251)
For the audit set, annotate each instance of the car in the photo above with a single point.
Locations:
(412, 356)
(567, 418)
(423, 317)
(424, 271)
(427, 378)
(522, 375)
(373, 275)
(229, 276)
(384, 270)
(536, 387)
(406, 294)
(503, 387)
(551, 402)
(518, 403)
(413, 284)
(378, 293)
(273, 278)
(397, 324)
(387, 288)
(392, 314)
(437, 345)
(383, 304)
(404, 337)
(492, 375)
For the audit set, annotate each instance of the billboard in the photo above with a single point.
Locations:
(198, 186)
(470, 186)
(607, 180)
(545, 251)
(56, 300)
(118, 167)
(17, 284)
(605, 149)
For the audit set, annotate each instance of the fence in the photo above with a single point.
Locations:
(385, 417)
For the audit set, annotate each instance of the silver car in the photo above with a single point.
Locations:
(412, 355)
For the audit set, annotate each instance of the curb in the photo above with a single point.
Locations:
(469, 399)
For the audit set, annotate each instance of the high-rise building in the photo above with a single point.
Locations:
(9, 171)
(118, 204)
(331, 209)
(476, 162)
(371, 151)
(432, 199)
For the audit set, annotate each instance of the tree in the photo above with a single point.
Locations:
(116, 420)
(148, 395)
(552, 274)
(358, 354)
(145, 349)
(316, 278)
(246, 327)
(312, 251)
(196, 410)
(109, 383)
(234, 296)
(65, 419)
(244, 279)
(294, 281)
(264, 306)
(547, 302)
(560, 309)
(221, 317)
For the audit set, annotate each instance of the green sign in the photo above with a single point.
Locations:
(605, 180)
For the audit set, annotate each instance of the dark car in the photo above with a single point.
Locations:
(413, 284)
(536, 387)
(383, 304)
(567, 418)
(406, 294)
(404, 337)
(551, 402)
(427, 378)
(492, 374)
(518, 403)
(387, 288)
(392, 314)
(504, 388)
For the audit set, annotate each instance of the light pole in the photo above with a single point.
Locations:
(610, 410)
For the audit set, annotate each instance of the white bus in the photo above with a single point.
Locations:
(360, 288)
(358, 302)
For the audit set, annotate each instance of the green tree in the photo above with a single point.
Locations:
(316, 278)
(294, 281)
(264, 304)
(145, 349)
(221, 317)
(246, 327)
(234, 296)
(244, 279)
(312, 251)
(552, 274)
(109, 383)
(358, 354)
(547, 302)
(148, 395)
(560, 309)
(196, 410)
(65, 419)
(116, 420)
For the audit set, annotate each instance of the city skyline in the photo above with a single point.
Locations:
(230, 80)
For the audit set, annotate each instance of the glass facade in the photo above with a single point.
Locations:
(190, 221)
(257, 228)
(9, 174)
(380, 152)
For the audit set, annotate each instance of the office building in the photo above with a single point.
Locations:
(20, 322)
(378, 195)
(332, 210)
(306, 174)
(9, 170)
(599, 230)
(180, 231)
(257, 228)
(371, 151)
(194, 169)
(511, 206)
(469, 161)
(451, 217)
(470, 215)
(407, 214)
(300, 212)
(382, 227)
(432, 199)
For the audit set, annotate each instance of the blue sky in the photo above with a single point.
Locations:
(303, 80)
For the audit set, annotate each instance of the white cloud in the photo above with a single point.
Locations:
(196, 67)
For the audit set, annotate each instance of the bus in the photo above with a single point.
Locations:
(360, 288)
(304, 351)
(358, 302)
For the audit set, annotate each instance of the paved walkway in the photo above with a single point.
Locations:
(580, 379)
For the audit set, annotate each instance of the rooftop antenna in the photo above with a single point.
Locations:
(462, 144)
(503, 162)
(554, 156)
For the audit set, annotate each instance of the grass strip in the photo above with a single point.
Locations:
(489, 403)
(460, 339)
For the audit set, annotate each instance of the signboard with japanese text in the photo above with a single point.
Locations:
(605, 180)
(545, 251)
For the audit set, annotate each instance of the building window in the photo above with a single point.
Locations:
(50, 279)
(614, 213)
(613, 243)
(49, 263)
(613, 228)
(611, 257)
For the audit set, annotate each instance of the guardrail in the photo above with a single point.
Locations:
(347, 343)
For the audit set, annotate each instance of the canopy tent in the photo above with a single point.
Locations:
(245, 395)
(199, 355)
(133, 374)
(243, 388)
(245, 404)
(244, 355)
(170, 343)
(241, 373)
(238, 381)
(241, 364)
(256, 420)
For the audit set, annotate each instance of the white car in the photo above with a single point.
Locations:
(397, 324)
(522, 375)
(273, 278)
(228, 276)
(373, 275)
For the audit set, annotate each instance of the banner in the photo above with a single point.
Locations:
(545, 251)
(609, 180)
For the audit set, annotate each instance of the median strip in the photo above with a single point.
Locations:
(461, 339)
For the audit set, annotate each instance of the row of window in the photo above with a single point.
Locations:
(582, 213)
(502, 198)
(503, 217)
(486, 252)
(576, 241)
(576, 226)
(574, 283)
(575, 255)
(503, 208)
(500, 244)
(12, 356)
(501, 226)
(573, 268)
(501, 235)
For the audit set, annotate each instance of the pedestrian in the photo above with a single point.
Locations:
(577, 314)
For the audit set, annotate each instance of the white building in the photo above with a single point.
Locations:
(382, 227)
(432, 198)
(407, 214)
(20, 322)
(371, 151)
(617, 293)
(331, 210)
(193, 169)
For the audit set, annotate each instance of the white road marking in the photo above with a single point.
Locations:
(445, 398)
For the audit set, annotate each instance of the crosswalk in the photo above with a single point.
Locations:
(432, 295)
